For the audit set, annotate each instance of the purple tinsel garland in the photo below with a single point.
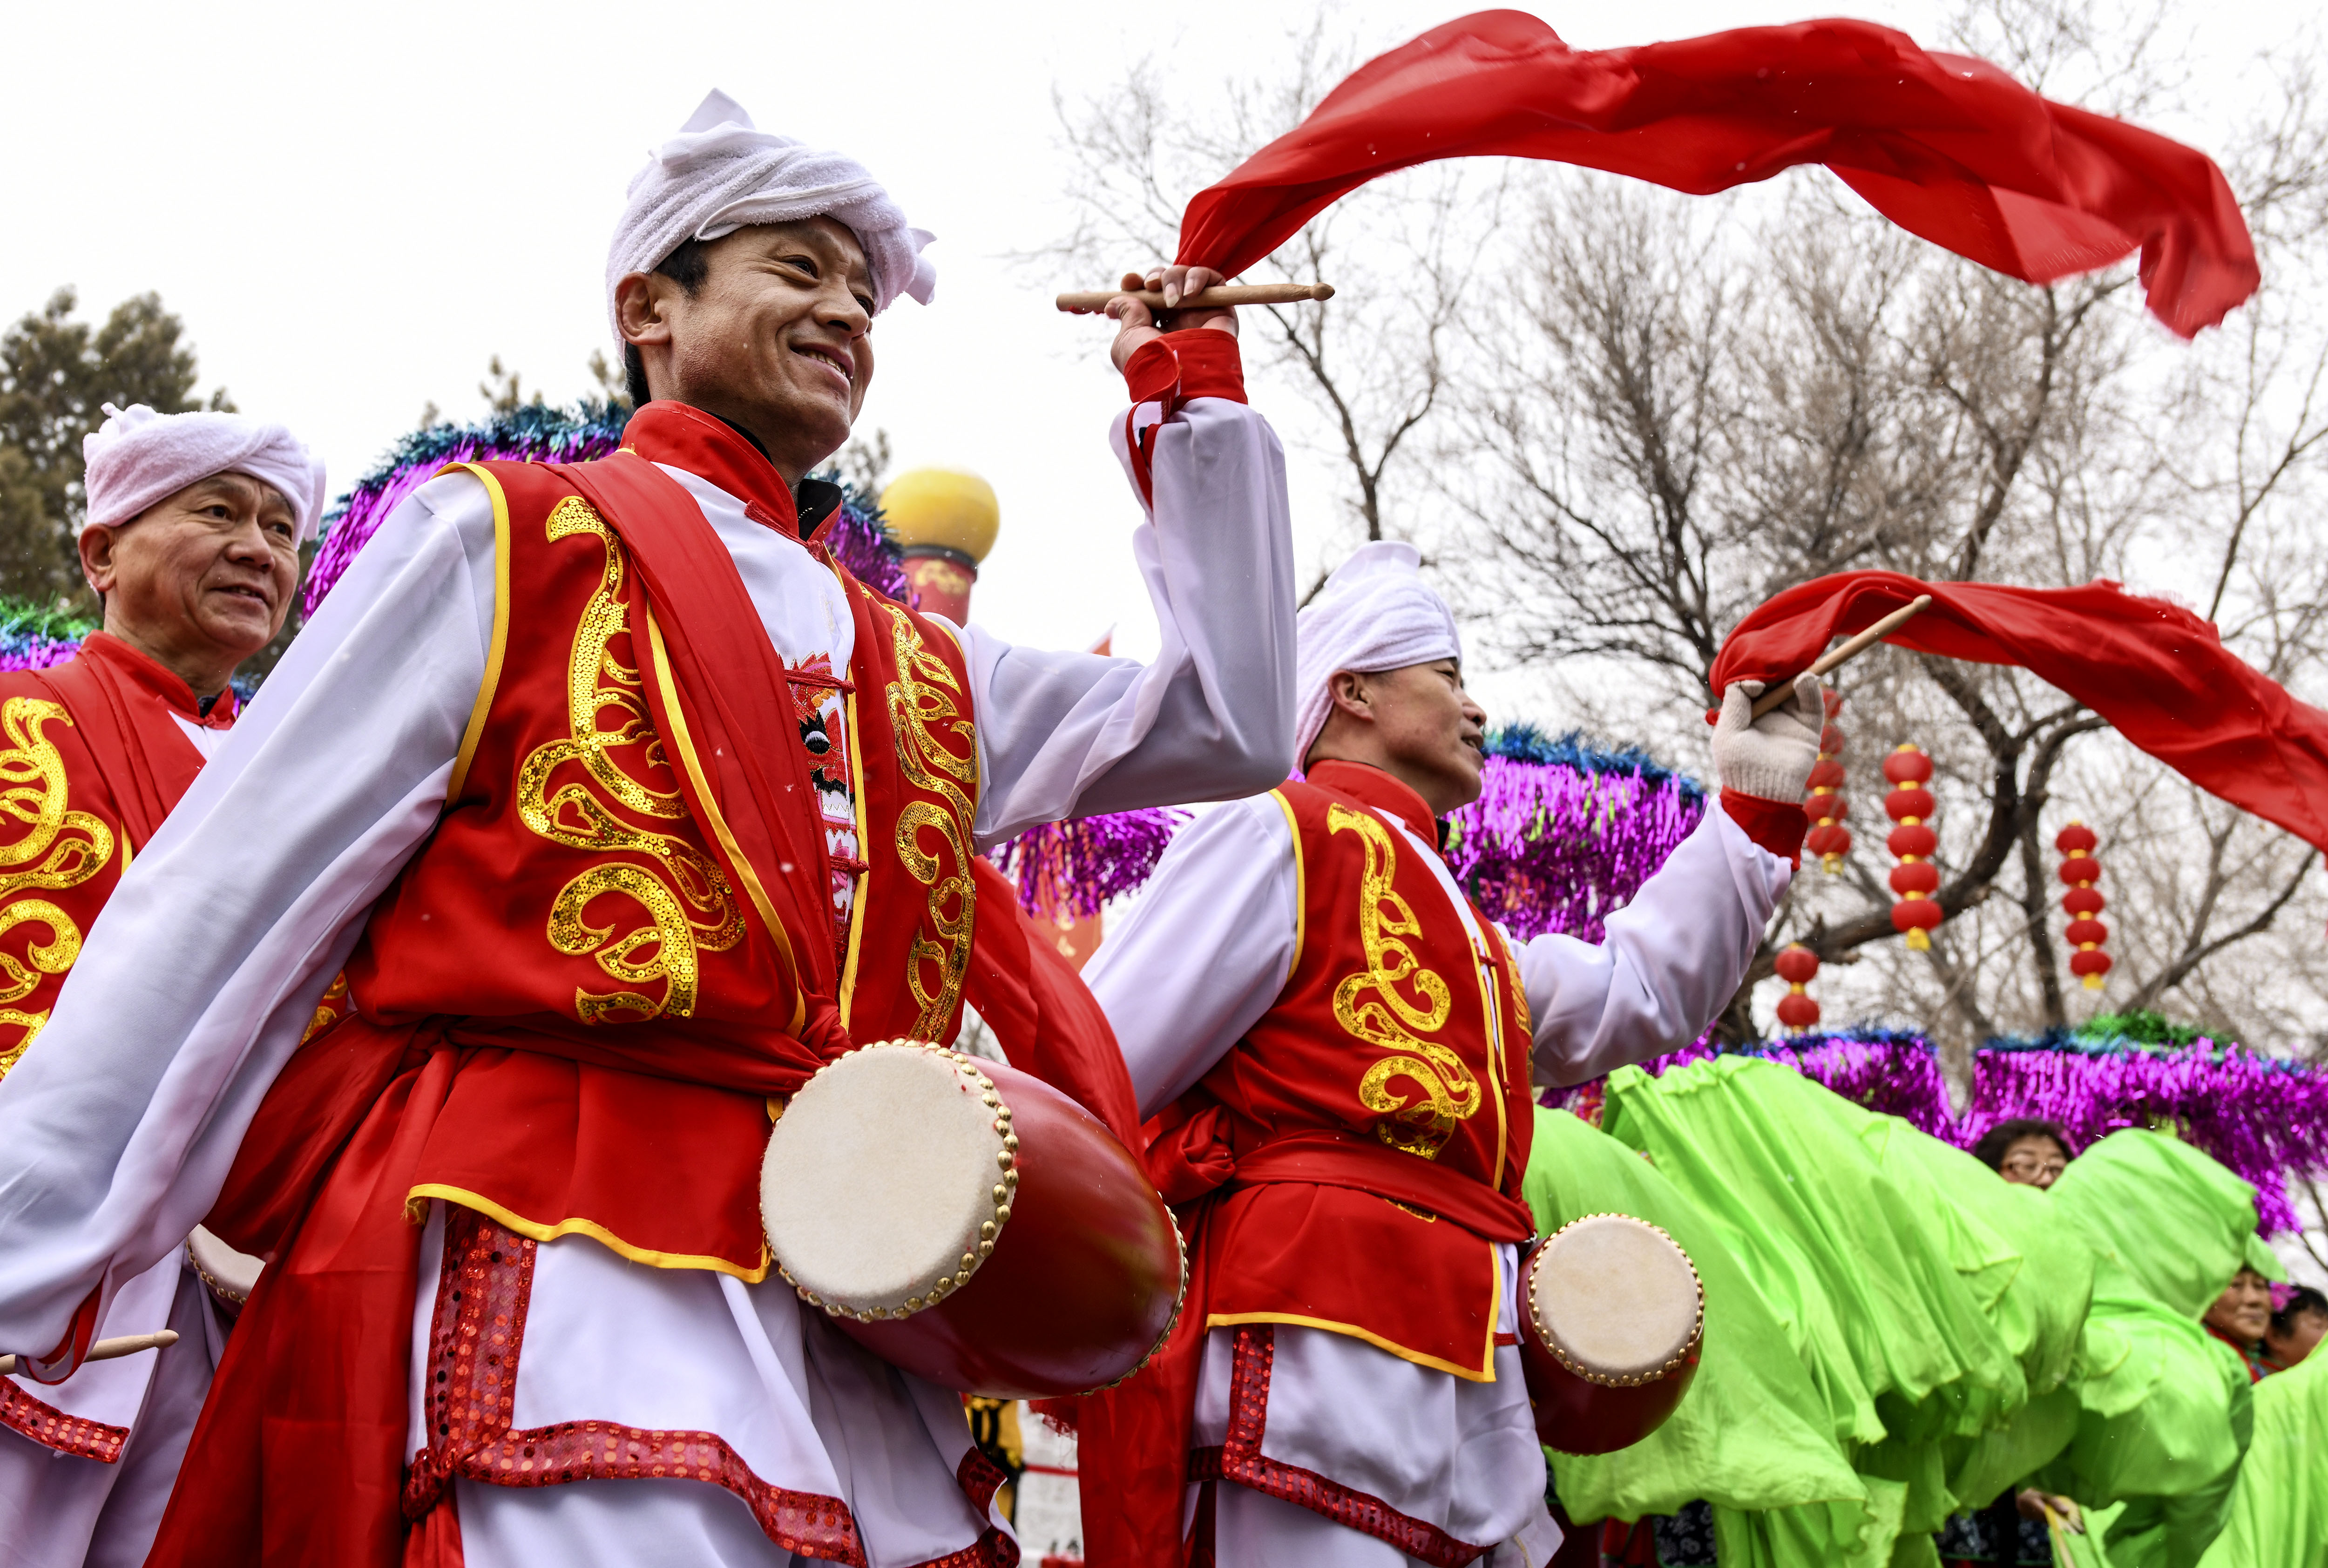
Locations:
(2263, 1117)
(1552, 847)
(1078, 867)
(1562, 835)
(38, 652)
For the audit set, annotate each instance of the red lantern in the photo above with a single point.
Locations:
(1915, 878)
(1828, 839)
(1796, 965)
(2083, 902)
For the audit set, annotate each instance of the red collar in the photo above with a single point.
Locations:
(1371, 786)
(686, 437)
(141, 671)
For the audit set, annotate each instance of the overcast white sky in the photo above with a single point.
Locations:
(353, 209)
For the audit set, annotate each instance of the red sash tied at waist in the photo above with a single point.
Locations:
(1326, 1159)
(544, 1124)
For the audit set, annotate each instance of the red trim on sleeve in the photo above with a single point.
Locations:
(1203, 362)
(66, 1360)
(1776, 825)
(1152, 372)
(1210, 365)
(1168, 371)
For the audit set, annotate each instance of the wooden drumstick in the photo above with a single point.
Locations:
(106, 1349)
(1782, 690)
(1218, 295)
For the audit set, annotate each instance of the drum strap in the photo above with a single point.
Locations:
(1326, 1159)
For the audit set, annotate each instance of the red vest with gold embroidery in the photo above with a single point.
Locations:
(628, 987)
(1395, 1033)
(92, 762)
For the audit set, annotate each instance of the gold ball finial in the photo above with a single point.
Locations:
(943, 509)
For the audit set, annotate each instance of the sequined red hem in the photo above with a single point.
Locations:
(50, 1427)
(979, 1480)
(1240, 1459)
(476, 1333)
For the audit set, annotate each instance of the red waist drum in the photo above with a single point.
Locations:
(970, 1223)
(1612, 1316)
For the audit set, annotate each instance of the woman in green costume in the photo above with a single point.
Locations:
(1934, 1334)
(1754, 1437)
(2278, 1513)
(2165, 1406)
(2017, 1529)
(1940, 1317)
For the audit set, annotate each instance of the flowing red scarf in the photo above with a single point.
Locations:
(2156, 671)
(1948, 147)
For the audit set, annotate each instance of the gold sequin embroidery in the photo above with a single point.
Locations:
(927, 722)
(689, 906)
(1373, 1007)
(60, 848)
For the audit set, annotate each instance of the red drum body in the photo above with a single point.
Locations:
(1611, 1317)
(969, 1224)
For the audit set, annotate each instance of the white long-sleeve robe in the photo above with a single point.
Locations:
(117, 1132)
(1194, 965)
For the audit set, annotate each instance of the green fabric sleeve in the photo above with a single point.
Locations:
(1752, 1433)
(2177, 1222)
(2278, 1516)
(2263, 1260)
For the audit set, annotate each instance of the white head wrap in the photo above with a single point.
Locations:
(720, 175)
(138, 457)
(1375, 612)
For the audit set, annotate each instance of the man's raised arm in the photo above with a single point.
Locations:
(1676, 953)
(1066, 734)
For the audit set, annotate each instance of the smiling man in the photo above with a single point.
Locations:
(191, 540)
(534, 774)
(1328, 1036)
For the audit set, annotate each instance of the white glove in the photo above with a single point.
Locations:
(1769, 757)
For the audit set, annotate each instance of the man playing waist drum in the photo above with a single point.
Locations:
(191, 540)
(537, 774)
(1337, 1049)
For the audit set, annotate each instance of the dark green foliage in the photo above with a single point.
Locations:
(2144, 1028)
(56, 376)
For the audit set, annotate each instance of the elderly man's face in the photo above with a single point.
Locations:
(202, 580)
(2243, 1310)
(1415, 722)
(776, 339)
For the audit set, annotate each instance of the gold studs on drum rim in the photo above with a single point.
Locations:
(1675, 1363)
(989, 1231)
(218, 1288)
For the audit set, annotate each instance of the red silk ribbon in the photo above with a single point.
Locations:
(1948, 147)
(2154, 670)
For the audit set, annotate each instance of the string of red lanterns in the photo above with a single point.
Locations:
(1915, 878)
(1797, 964)
(1828, 839)
(2083, 902)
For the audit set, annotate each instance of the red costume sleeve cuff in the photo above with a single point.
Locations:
(1152, 373)
(1210, 365)
(1178, 366)
(1775, 826)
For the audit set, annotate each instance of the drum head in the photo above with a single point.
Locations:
(884, 1184)
(1614, 1299)
(229, 1273)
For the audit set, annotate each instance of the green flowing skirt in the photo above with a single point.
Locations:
(2278, 1514)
